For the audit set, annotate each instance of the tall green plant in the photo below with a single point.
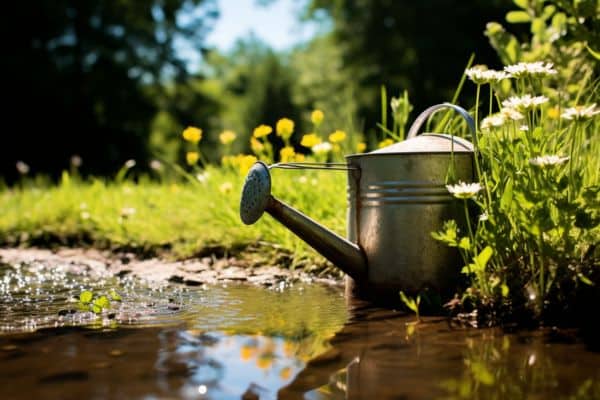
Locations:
(534, 243)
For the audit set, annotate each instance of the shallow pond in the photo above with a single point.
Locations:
(241, 341)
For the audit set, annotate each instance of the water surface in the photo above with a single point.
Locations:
(240, 341)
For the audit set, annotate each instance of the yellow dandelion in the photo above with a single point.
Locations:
(264, 361)
(554, 113)
(317, 117)
(256, 145)
(227, 136)
(337, 136)
(385, 143)
(285, 128)
(247, 352)
(361, 147)
(262, 131)
(310, 140)
(225, 187)
(191, 157)
(285, 373)
(299, 157)
(192, 134)
(287, 154)
(245, 162)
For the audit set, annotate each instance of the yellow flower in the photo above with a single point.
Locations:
(299, 157)
(256, 145)
(245, 162)
(191, 157)
(225, 187)
(265, 361)
(227, 136)
(310, 139)
(285, 373)
(317, 117)
(337, 136)
(385, 143)
(285, 128)
(287, 154)
(247, 352)
(262, 131)
(192, 134)
(361, 147)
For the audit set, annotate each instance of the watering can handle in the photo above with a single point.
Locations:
(414, 129)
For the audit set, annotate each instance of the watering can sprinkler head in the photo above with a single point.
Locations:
(255, 193)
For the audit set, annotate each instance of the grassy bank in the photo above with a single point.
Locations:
(197, 216)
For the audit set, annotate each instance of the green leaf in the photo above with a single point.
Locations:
(506, 200)
(114, 295)
(465, 243)
(504, 290)
(548, 11)
(86, 296)
(585, 279)
(482, 374)
(594, 54)
(522, 3)
(102, 302)
(481, 260)
(517, 17)
(95, 309)
(538, 27)
(410, 303)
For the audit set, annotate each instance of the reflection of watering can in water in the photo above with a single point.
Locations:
(397, 197)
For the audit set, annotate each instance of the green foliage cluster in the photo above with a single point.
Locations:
(91, 76)
(97, 303)
(534, 244)
(561, 32)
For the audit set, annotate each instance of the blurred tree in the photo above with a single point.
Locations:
(418, 45)
(254, 86)
(80, 77)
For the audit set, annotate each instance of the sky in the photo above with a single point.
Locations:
(276, 24)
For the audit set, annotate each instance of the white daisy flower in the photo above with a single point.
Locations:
(524, 103)
(464, 190)
(529, 69)
(512, 114)
(547, 161)
(580, 112)
(481, 75)
(493, 121)
(322, 148)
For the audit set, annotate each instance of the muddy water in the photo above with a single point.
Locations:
(241, 341)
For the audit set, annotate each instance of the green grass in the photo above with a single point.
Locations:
(171, 219)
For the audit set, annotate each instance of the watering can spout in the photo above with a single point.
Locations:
(257, 198)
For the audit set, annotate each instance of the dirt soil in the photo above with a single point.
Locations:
(193, 272)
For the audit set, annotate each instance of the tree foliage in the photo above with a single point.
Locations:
(78, 73)
(420, 46)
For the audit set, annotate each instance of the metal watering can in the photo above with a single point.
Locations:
(396, 198)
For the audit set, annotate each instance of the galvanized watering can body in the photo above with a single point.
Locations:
(396, 198)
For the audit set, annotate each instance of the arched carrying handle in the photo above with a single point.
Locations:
(414, 129)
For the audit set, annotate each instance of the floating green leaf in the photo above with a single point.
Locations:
(114, 295)
(102, 302)
(86, 296)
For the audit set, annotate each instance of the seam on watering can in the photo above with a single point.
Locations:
(370, 202)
